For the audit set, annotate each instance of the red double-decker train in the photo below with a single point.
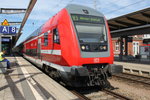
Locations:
(74, 46)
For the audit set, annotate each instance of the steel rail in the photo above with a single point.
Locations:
(81, 97)
(137, 75)
(131, 77)
(119, 96)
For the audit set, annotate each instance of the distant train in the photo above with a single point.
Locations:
(73, 46)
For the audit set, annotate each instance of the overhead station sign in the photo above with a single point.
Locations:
(6, 29)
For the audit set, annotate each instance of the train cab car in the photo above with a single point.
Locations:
(74, 46)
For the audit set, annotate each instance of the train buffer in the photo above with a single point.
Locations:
(25, 82)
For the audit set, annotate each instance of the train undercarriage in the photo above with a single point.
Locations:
(86, 76)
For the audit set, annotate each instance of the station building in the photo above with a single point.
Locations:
(134, 45)
(131, 34)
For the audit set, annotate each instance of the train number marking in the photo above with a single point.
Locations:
(96, 60)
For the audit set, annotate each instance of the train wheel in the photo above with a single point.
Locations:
(46, 69)
(43, 68)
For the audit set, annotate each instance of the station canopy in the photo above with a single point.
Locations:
(14, 16)
(18, 16)
(135, 23)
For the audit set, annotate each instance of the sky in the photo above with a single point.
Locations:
(45, 9)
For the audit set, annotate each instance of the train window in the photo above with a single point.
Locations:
(46, 39)
(56, 36)
(93, 33)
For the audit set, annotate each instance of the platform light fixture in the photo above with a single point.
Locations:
(15, 23)
(12, 10)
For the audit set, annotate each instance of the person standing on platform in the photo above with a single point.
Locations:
(3, 59)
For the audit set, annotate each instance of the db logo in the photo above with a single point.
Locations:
(96, 60)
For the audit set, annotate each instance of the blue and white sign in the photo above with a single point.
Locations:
(5, 39)
(8, 30)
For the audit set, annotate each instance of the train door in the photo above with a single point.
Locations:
(39, 49)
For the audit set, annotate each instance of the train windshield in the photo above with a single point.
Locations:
(91, 33)
(90, 29)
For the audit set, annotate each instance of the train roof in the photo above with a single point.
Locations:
(72, 9)
(79, 9)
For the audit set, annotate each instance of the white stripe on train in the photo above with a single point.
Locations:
(56, 66)
(55, 52)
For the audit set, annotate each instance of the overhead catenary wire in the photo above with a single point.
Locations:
(110, 2)
(37, 23)
(124, 7)
(95, 4)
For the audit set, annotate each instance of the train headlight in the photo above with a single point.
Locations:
(83, 47)
(87, 47)
(103, 47)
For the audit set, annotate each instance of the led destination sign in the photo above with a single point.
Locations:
(87, 18)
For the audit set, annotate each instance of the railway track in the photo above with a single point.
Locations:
(132, 77)
(118, 96)
(80, 96)
(108, 95)
(104, 95)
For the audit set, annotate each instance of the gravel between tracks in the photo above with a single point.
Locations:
(100, 96)
(131, 89)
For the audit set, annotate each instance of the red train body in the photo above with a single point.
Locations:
(73, 45)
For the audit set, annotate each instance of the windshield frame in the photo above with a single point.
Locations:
(99, 20)
(91, 24)
(102, 34)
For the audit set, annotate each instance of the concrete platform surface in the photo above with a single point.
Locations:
(133, 67)
(26, 82)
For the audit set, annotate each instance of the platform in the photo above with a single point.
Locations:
(137, 67)
(25, 82)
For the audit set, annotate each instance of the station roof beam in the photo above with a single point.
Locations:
(146, 15)
(124, 23)
(116, 26)
(12, 10)
(113, 27)
(29, 9)
(137, 20)
(15, 23)
(136, 23)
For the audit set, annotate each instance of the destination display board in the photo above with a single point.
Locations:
(87, 18)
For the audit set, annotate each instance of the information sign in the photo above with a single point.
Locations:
(7, 30)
